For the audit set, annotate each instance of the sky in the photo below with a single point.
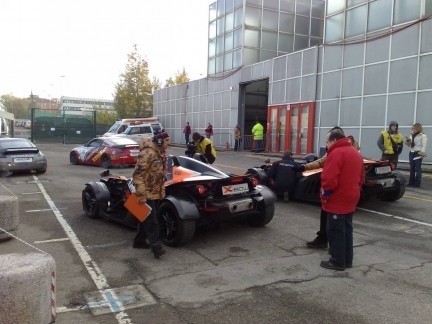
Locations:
(79, 48)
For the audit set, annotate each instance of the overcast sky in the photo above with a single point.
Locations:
(78, 48)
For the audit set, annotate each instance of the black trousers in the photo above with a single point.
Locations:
(322, 233)
(149, 229)
(340, 237)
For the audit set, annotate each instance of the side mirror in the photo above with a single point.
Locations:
(105, 173)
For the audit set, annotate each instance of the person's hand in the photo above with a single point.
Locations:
(421, 153)
(300, 168)
(142, 200)
(325, 194)
(386, 152)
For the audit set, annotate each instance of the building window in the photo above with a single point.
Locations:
(379, 15)
(220, 7)
(228, 61)
(356, 21)
(302, 25)
(220, 28)
(334, 6)
(237, 58)
(251, 56)
(229, 38)
(229, 5)
(269, 40)
(270, 19)
(286, 23)
(317, 28)
(406, 10)
(212, 29)
(211, 66)
(335, 27)
(286, 43)
(219, 45)
(212, 11)
(303, 7)
(271, 4)
(287, 5)
(253, 17)
(238, 17)
(212, 48)
(229, 21)
(252, 38)
(318, 7)
(301, 42)
(238, 38)
(219, 64)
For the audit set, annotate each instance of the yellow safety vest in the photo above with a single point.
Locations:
(397, 138)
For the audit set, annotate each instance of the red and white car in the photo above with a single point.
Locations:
(106, 152)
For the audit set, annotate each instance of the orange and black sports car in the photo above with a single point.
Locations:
(196, 194)
(381, 182)
(106, 152)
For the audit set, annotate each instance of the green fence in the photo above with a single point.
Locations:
(49, 126)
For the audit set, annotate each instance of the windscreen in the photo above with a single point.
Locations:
(15, 143)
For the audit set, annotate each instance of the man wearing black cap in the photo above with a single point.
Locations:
(149, 177)
(205, 147)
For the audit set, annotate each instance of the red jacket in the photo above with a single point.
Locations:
(343, 176)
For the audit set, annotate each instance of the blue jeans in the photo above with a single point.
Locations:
(340, 238)
(149, 229)
(187, 138)
(415, 169)
(259, 145)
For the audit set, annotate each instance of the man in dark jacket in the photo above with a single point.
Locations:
(341, 180)
(283, 176)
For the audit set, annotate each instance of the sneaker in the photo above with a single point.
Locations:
(331, 266)
(318, 243)
(158, 253)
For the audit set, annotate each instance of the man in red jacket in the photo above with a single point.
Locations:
(341, 180)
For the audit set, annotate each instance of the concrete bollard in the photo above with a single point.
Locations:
(8, 215)
(27, 288)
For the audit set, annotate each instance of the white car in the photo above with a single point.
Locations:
(137, 132)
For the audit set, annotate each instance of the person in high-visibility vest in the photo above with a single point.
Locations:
(390, 143)
(258, 135)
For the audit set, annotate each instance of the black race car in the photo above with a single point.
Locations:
(196, 194)
(381, 182)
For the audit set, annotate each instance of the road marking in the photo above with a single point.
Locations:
(53, 240)
(63, 309)
(93, 269)
(114, 303)
(394, 216)
(417, 198)
(31, 193)
(42, 210)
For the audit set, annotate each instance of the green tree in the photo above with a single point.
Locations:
(17, 106)
(105, 117)
(169, 82)
(156, 84)
(133, 93)
(181, 77)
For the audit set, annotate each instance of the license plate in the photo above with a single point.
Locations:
(235, 189)
(23, 159)
(382, 170)
(134, 152)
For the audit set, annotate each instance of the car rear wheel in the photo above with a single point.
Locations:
(394, 195)
(260, 174)
(174, 231)
(91, 205)
(40, 171)
(106, 161)
(73, 158)
(264, 217)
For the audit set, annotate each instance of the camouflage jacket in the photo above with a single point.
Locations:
(150, 171)
(316, 164)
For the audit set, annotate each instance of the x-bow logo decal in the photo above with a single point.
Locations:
(227, 189)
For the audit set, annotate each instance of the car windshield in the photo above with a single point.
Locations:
(198, 166)
(114, 128)
(15, 143)
(121, 141)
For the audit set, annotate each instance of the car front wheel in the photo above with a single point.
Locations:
(73, 158)
(174, 231)
(91, 205)
(106, 161)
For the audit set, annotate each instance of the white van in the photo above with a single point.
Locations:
(121, 124)
(138, 132)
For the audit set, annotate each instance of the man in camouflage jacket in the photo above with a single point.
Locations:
(149, 177)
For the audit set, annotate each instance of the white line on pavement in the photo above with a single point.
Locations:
(30, 193)
(53, 240)
(93, 269)
(397, 217)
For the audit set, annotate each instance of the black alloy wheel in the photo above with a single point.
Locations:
(91, 205)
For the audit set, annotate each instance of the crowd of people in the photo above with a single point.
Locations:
(341, 180)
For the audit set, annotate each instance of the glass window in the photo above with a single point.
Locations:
(220, 7)
(303, 7)
(302, 25)
(318, 7)
(229, 39)
(406, 10)
(317, 27)
(335, 6)
(379, 14)
(252, 38)
(228, 61)
(428, 8)
(301, 42)
(220, 26)
(352, 3)
(267, 55)
(315, 41)
(229, 5)
(229, 21)
(212, 11)
(287, 5)
(271, 4)
(212, 29)
(219, 45)
(238, 38)
(269, 40)
(212, 48)
(286, 42)
(237, 58)
(356, 21)
(254, 2)
(238, 3)
(211, 66)
(238, 18)
(253, 17)
(270, 19)
(334, 28)
(286, 23)
(219, 64)
(250, 56)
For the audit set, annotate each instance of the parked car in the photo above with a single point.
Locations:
(196, 194)
(106, 152)
(138, 132)
(19, 154)
(381, 182)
